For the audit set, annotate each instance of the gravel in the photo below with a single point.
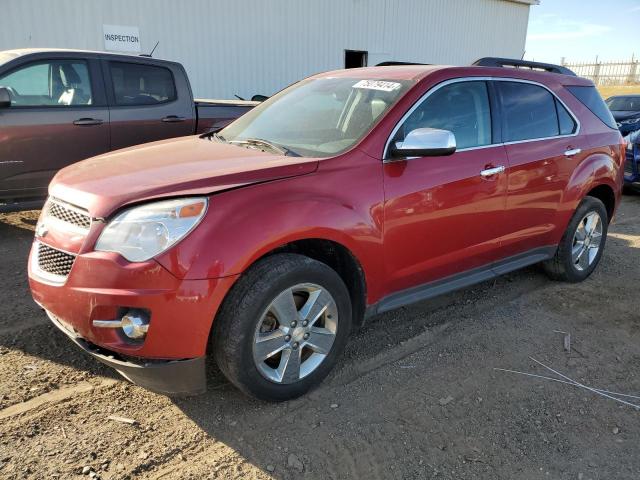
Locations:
(385, 420)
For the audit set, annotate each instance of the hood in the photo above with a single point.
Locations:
(620, 115)
(186, 166)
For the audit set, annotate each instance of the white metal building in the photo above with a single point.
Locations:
(245, 47)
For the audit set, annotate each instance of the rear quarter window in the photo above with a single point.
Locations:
(591, 99)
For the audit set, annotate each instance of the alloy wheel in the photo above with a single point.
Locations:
(295, 333)
(586, 241)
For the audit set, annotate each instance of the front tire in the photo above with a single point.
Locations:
(582, 244)
(282, 327)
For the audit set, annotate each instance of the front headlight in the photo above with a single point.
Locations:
(143, 232)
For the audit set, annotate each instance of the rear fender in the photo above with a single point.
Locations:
(597, 169)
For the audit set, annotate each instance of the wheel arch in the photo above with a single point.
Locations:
(606, 195)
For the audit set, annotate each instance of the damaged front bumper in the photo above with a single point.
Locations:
(168, 377)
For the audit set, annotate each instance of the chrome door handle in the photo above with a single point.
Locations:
(489, 172)
(173, 119)
(572, 151)
(82, 122)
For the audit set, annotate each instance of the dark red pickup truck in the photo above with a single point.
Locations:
(61, 106)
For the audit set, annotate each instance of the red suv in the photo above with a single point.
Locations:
(345, 195)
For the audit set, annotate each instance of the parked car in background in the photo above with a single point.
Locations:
(626, 112)
(61, 106)
(348, 194)
(632, 165)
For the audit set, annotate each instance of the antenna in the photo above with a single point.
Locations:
(154, 48)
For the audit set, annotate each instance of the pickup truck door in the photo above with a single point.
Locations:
(444, 215)
(147, 102)
(58, 116)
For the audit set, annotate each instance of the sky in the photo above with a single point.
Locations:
(580, 30)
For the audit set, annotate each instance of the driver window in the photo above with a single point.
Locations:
(53, 83)
(461, 107)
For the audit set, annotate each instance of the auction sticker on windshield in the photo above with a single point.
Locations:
(378, 85)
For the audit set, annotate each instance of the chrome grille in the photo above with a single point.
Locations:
(68, 214)
(628, 166)
(53, 261)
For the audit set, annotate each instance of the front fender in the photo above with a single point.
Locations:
(243, 225)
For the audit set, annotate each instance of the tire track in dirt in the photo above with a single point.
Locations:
(53, 397)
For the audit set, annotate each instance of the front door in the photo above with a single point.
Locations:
(147, 103)
(445, 215)
(53, 121)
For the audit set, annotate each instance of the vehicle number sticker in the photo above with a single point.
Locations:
(378, 85)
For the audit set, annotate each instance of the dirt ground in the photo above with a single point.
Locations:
(415, 396)
(608, 91)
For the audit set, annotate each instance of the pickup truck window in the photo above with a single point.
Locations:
(329, 114)
(461, 107)
(137, 84)
(50, 83)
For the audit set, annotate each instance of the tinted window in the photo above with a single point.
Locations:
(528, 111)
(136, 84)
(462, 108)
(565, 121)
(590, 97)
(52, 83)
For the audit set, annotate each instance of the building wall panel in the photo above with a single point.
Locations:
(254, 46)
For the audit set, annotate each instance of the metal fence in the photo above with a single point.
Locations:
(608, 73)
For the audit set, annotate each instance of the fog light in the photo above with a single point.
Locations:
(134, 324)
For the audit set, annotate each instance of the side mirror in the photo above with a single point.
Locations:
(5, 97)
(259, 98)
(425, 142)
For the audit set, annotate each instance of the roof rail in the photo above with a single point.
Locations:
(394, 63)
(515, 63)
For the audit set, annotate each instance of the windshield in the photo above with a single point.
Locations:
(624, 104)
(317, 117)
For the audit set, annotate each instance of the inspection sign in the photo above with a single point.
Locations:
(118, 38)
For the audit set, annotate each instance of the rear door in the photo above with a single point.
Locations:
(445, 215)
(541, 141)
(147, 102)
(58, 116)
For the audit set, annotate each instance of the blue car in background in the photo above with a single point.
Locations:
(626, 111)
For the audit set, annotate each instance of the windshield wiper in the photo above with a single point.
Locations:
(273, 146)
(213, 134)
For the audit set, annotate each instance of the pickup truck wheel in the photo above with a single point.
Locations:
(582, 244)
(282, 327)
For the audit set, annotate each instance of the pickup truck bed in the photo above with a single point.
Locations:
(213, 114)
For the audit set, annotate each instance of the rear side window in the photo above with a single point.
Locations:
(591, 99)
(566, 123)
(461, 107)
(528, 112)
(137, 84)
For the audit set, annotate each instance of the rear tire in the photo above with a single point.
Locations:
(582, 244)
(289, 304)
